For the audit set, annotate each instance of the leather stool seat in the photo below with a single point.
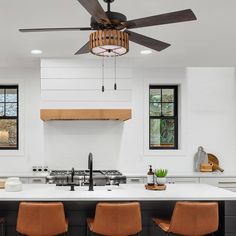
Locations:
(191, 219)
(41, 219)
(116, 219)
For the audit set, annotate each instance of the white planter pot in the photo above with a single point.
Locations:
(161, 180)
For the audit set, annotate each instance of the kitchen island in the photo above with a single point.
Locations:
(81, 203)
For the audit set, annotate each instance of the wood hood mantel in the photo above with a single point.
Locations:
(85, 114)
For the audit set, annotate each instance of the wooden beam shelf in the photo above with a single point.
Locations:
(85, 114)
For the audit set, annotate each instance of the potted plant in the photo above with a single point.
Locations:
(161, 176)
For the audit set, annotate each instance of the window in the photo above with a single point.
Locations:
(9, 117)
(163, 117)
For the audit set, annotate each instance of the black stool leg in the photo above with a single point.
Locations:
(3, 228)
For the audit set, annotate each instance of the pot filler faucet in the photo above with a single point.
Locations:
(90, 167)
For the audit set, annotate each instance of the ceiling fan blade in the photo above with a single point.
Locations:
(95, 9)
(55, 29)
(146, 41)
(168, 18)
(85, 49)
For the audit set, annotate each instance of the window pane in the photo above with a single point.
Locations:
(1, 109)
(155, 109)
(167, 109)
(167, 95)
(11, 95)
(155, 95)
(1, 95)
(155, 132)
(167, 130)
(11, 109)
(8, 133)
(163, 116)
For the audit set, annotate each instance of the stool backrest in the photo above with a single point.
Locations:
(117, 219)
(41, 219)
(195, 218)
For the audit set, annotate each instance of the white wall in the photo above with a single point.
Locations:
(207, 112)
(31, 128)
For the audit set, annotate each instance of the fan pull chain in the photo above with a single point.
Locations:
(115, 85)
(103, 87)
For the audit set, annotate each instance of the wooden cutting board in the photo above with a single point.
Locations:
(212, 159)
(2, 184)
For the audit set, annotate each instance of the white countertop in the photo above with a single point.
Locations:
(23, 175)
(125, 192)
(215, 174)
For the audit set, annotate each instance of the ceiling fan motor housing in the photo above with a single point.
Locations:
(108, 1)
(116, 19)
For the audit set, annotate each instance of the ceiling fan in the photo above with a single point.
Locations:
(112, 34)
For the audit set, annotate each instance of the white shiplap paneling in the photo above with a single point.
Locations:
(84, 84)
(84, 105)
(84, 73)
(73, 84)
(86, 95)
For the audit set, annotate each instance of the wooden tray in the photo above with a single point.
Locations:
(155, 187)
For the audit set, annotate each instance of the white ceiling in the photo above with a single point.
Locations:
(209, 41)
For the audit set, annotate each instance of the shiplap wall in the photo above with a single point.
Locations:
(69, 83)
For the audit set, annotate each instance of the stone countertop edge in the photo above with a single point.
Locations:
(124, 192)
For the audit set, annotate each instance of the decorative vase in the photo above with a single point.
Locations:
(161, 180)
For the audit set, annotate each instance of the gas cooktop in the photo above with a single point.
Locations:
(85, 172)
(101, 177)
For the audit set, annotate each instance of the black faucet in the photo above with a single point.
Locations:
(72, 175)
(72, 186)
(90, 166)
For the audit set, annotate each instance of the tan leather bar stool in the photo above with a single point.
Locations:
(191, 219)
(41, 219)
(116, 219)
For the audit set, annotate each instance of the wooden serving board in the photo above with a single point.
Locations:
(212, 159)
(2, 185)
(206, 167)
(155, 187)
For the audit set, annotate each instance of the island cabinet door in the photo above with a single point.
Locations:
(230, 218)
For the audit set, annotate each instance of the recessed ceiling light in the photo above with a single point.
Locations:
(146, 52)
(36, 51)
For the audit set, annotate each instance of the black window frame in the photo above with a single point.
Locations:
(11, 117)
(174, 117)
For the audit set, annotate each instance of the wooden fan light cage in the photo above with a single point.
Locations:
(109, 42)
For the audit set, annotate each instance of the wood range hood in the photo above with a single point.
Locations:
(85, 114)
